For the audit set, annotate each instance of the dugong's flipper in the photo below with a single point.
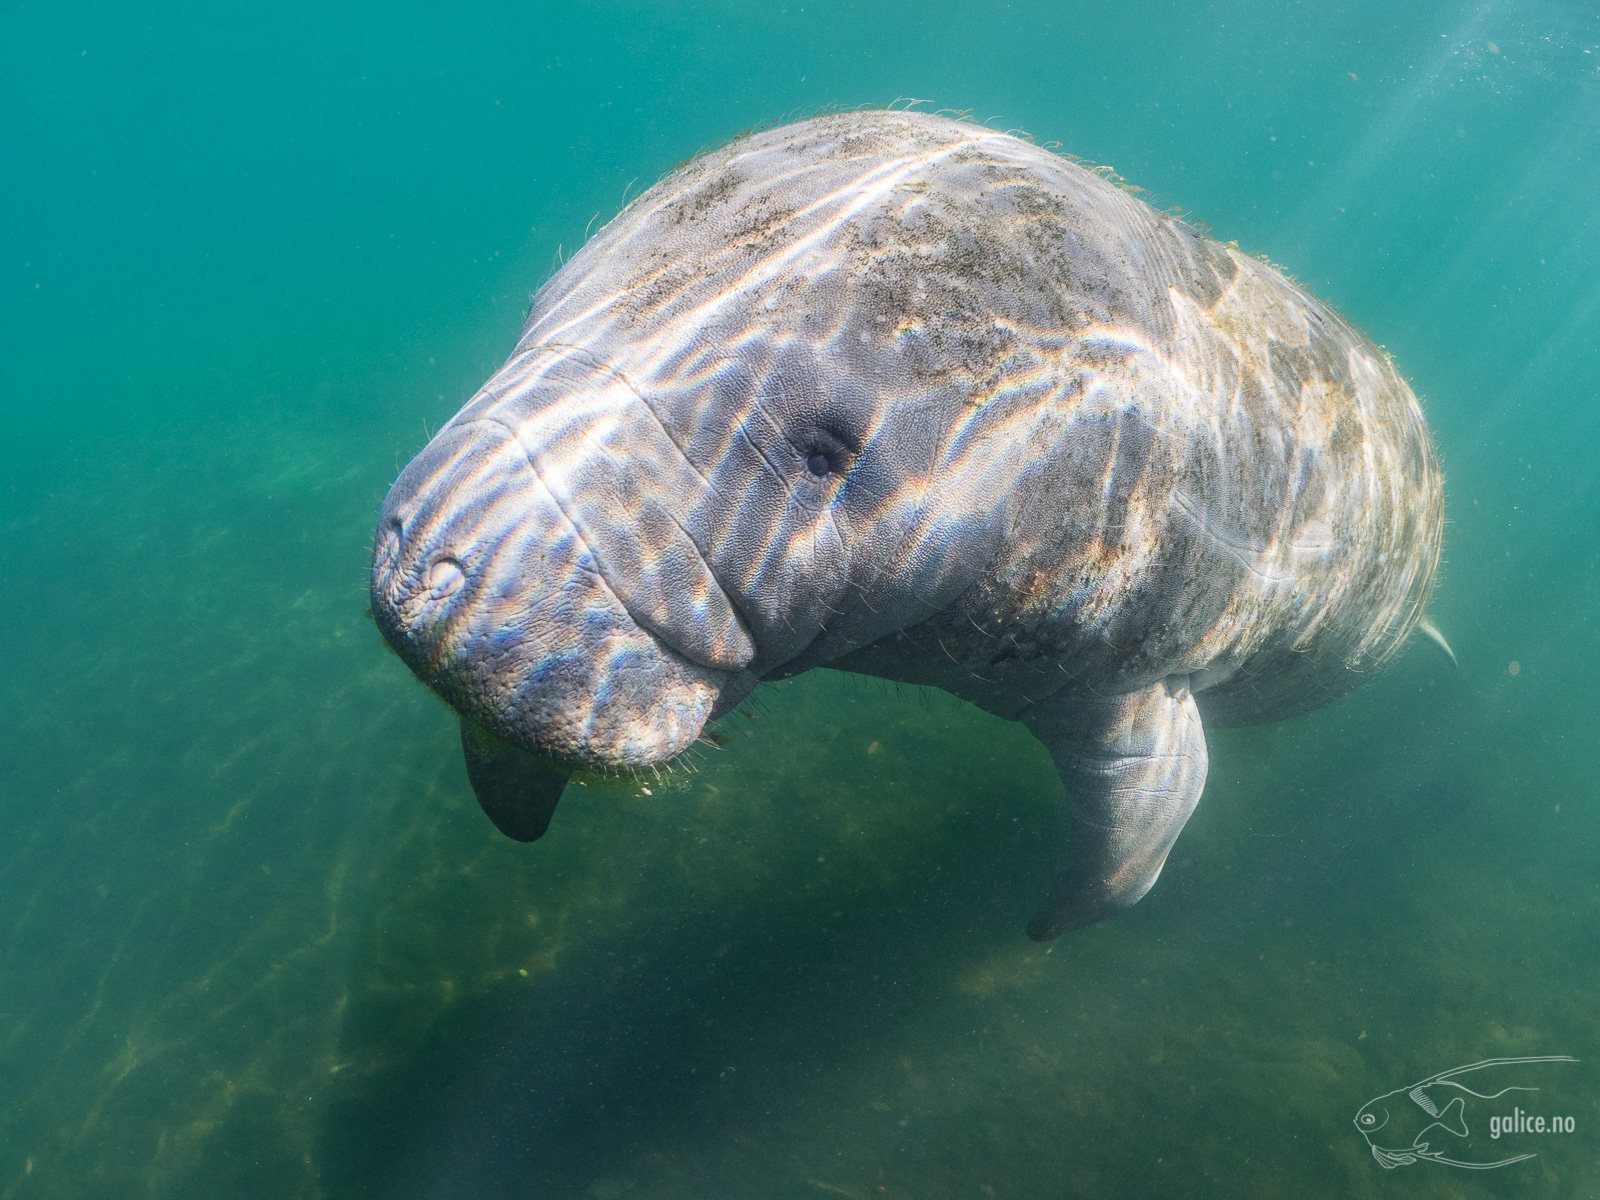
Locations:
(517, 790)
(1133, 768)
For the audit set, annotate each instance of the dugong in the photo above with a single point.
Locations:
(897, 394)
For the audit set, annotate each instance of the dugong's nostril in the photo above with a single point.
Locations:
(445, 578)
(388, 549)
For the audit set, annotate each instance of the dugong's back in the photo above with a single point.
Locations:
(1191, 464)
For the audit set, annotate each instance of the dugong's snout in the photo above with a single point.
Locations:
(487, 589)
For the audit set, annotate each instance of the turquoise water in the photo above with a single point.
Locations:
(256, 938)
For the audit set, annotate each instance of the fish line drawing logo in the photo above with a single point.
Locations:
(1418, 1121)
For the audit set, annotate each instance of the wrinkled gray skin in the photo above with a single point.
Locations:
(900, 395)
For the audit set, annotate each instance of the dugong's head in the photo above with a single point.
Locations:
(528, 570)
(736, 439)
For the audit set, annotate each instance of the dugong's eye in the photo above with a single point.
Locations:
(821, 451)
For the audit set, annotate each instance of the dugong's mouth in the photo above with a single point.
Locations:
(485, 584)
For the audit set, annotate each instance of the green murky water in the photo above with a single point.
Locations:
(256, 938)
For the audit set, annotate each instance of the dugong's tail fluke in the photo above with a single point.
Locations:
(1133, 767)
(1431, 631)
(517, 790)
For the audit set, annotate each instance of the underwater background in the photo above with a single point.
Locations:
(256, 937)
